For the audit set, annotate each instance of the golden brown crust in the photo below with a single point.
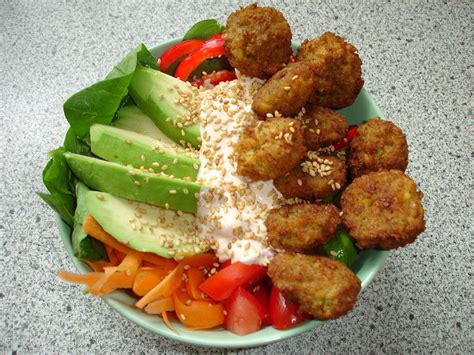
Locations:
(337, 67)
(286, 92)
(379, 145)
(308, 184)
(324, 288)
(257, 40)
(383, 210)
(270, 148)
(302, 227)
(322, 127)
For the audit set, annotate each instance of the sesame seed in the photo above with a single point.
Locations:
(100, 197)
(172, 192)
(175, 160)
(287, 88)
(137, 183)
(182, 316)
(294, 77)
(142, 157)
(299, 182)
(164, 167)
(128, 141)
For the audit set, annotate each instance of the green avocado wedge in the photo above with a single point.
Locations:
(156, 94)
(144, 227)
(133, 119)
(134, 184)
(131, 148)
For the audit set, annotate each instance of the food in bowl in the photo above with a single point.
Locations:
(196, 185)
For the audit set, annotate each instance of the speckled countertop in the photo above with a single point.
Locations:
(418, 66)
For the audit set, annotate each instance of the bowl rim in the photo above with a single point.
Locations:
(377, 258)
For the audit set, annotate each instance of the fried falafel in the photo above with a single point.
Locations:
(270, 148)
(383, 210)
(337, 68)
(324, 288)
(257, 40)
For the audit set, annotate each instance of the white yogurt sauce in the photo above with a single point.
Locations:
(231, 209)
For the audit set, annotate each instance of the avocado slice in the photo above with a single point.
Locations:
(134, 184)
(145, 227)
(156, 94)
(131, 148)
(133, 119)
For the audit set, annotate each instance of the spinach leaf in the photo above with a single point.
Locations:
(73, 144)
(99, 102)
(84, 246)
(59, 181)
(203, 30)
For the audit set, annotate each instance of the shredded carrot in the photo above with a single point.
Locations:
(201, 260)
(131, 262)
(199, 314)
(146, 279)
(97, 287)
(164, 315)
(120, 256)
(196, 276)
(111, 255)
(165, 288)
(158, 306)
(98, 266)
(93, 228)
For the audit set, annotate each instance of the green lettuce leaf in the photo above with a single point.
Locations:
(203, 30)
(99, 102)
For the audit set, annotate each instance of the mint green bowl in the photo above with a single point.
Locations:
(366, 266)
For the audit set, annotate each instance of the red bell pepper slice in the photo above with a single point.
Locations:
(282, 312)
(351, 133)
(216, 78)
(244, 313)
(220, 285)
(212, 48)
(179, 50)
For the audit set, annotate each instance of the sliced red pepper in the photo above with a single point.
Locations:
(244, 313)
(216, 78)
(212, 48)
(351, 133)
(282, 312)
(179, 50)
(220, 285)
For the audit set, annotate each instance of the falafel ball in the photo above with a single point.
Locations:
(286, 92)
(317, 177)
(323, 127)
(270, 148)
(302, 227)
(379, 145)
(383, 210)
(324, 288)
(257, 40)
(337, 68)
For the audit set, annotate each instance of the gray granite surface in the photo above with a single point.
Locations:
(418, 66)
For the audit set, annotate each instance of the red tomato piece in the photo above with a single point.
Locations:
(212, 48)
(179, 50)
(282, 312)
(216, 78)
(263, 296)
(244, 313)
(220, 285)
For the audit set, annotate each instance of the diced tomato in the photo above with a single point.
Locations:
(179, 50)
(282, 312)
(212, 48)
(244, 313)
(220, 285)
(351, 133)
(216, 78)
(263, 296)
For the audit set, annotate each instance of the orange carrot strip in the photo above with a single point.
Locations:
(165, 288)
(200, 314)
(97, 287)
(97, 266)
(195, 278)
(116, 280)
(146, 279)
(111, 255)
(167, 322)
(120, 256)
(94, 229)
(131, 262)
(206, 260)
(158, 306)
